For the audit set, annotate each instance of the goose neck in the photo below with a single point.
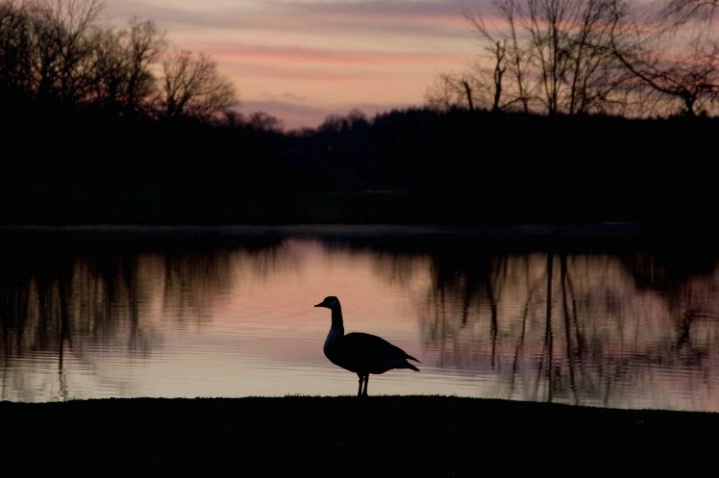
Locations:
(337, 322)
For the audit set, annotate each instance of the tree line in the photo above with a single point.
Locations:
(619, 57)
(58, 52)
(633, 59)
(417, 165)
(110, 125)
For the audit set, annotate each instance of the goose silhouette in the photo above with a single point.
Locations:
(359, 352)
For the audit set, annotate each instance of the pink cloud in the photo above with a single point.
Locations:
(290, 55)
(336, 54)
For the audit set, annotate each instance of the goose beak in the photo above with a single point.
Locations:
(328, 302)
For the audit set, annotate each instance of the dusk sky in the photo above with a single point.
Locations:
(301, 60)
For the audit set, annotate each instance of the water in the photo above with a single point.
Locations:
(228, 312)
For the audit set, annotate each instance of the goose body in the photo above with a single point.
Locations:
(359, 352)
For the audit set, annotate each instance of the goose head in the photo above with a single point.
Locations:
(331, 302)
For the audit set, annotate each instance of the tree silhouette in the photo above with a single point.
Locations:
(678, 63)
(683, 11)
(122, 66)
(549, 57)
(192, 86)
(596, 56)
(60, 52)
(62, 48)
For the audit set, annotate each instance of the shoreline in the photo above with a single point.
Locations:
(423, 435)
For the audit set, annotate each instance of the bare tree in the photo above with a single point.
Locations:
(675, 61)
(144, 45)
(563, 43)
(547, 56)
(354, 120)
(59, 50)
(690, 81)
(122, 66)
(485, 83)
(61, 46)
(515, 49)
(15, 52)
(592, 56)
(447, 91)
(481, 86)
(678, 12)
(262, 121)
(192, 87)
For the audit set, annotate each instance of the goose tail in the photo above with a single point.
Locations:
(410, 365)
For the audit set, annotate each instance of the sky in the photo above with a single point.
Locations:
(302, 60)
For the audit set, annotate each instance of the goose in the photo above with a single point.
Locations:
(359, 352)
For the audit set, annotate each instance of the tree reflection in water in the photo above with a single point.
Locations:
(67, 295)
(533, 320)
(570, 327)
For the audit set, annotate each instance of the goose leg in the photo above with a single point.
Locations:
(366, 381)
(359, 391)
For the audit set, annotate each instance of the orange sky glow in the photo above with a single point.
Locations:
(303, 60)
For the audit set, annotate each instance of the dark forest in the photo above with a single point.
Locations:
(74, 165)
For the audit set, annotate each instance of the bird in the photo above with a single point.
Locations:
(360, 352)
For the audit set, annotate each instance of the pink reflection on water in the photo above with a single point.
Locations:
(243, 322)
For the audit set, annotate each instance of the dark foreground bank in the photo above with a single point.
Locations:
(347, 436)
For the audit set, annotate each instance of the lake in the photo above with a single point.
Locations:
(607, 316)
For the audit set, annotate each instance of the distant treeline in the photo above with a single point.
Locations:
(70, 164)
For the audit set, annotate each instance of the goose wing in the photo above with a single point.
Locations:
(366, 353)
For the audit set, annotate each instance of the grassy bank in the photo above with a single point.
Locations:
(314, 436)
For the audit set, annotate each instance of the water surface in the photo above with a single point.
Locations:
(589, 317)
